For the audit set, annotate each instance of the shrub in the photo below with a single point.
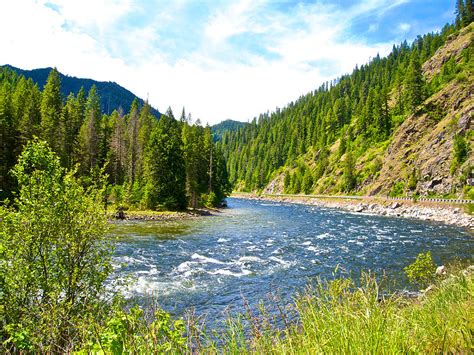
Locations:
(397, 189)
(422, 271)
(55, 258)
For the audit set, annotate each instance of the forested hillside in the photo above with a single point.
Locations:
(227, 125)
(399, 125)
(112, 95)
(150, 162)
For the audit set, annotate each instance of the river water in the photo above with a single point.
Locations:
(254, 249)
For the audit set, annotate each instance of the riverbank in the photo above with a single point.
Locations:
(453, 214)
(149, 215)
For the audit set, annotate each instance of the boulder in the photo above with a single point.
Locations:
(395, 205)
(120, 214)
(441, 270)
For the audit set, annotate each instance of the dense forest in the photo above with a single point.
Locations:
(332, 140)
(150, 163)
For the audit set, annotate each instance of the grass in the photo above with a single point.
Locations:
(339, 317)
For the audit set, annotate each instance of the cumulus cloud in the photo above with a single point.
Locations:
(232, 60)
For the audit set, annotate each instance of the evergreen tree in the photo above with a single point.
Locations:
(88, 149)
(117, 157)
(72, 118)
(51, 107)
(133, 129)
(165, 166)
(7, 157)
(193, 149)
(460, 13)
(307, 184)
(414, 85)
(469, 13)
(29, 122)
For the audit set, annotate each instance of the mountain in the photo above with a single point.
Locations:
(113, 96)
(225, 126)
(399, 125)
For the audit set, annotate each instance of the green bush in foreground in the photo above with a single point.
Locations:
(422, 271)
(54, 256)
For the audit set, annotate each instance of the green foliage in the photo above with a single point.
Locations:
(397, 189)
(422, 271)
(120, 144)
(51, 106)
(55, 256)
(460, 152)
(130, 332)
(165, 169)
(413, 180)
(307, 183)
(414, 84)
(348, 177)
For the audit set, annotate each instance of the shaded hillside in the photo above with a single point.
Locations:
(400, 125)
(112, 95)
(227, 125)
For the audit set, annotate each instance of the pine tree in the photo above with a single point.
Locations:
(193, 149)
(469, 13)
(307, 184)
(414, 85)
(29, 123)
(165, 166)
(72, 118)
(117, 156)
(51, 107)
(133, 129)
(145, 124)
(7, 158)
(88, 148)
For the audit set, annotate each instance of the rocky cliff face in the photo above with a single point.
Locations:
(423, 144)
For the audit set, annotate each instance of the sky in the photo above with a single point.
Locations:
(231, 59)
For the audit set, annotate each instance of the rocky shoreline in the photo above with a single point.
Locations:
(128, 216)
(448, 214)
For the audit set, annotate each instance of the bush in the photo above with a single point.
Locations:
(460, 153)
(397, 189)
(422, 271)
(54, 256)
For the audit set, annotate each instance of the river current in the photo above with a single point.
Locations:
(254, 249)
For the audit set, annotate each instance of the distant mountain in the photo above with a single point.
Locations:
(227, 125)
(112, 95)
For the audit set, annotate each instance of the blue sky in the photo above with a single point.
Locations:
(219, 59)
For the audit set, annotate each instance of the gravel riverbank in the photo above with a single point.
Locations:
(136, 215)
(446, 213)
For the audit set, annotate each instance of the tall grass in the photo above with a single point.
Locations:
(339, 317)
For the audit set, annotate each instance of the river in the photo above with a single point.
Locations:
(254, 249)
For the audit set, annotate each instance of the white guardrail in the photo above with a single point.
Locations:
(353, 197)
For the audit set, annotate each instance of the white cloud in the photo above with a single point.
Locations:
(212, 81)
(403, 27)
